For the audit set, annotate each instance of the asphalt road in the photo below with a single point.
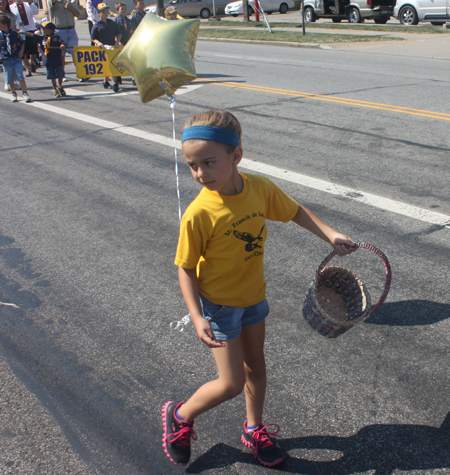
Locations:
(88, 230)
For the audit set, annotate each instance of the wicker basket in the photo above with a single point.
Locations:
(337, 299)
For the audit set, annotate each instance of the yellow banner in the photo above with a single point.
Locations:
(92, 61)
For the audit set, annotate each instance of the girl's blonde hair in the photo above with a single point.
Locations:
(217, 118)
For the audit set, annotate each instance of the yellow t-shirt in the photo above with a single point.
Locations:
(224, 236)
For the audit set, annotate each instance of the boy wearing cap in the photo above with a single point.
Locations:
(106, 32)
(62, 14)
(171, 13)
(52, 44)
(11, 52)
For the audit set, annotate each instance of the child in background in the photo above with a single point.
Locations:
(124, 23)
(11, 52)
(125, 27)
(136, 18)
(52, 44)
(106, 33)
(221, 272)
(25, 12)
(40, 58)
(6, 10)
(139, 14)
(171, 13)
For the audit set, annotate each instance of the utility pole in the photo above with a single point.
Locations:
(160, 8)
(245, 10)
(303, 17)
(256, 10)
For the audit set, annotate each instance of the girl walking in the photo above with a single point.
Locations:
(220, 259)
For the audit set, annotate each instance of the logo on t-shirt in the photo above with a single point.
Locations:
(252, 242)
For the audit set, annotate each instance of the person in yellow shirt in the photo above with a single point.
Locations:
(220, 259)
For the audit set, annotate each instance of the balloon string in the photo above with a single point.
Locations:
(177, 174)
(180, 324)
(177, 324)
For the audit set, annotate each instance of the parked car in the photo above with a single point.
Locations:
(410, 12)
(355, 11)
(188, 8)
(269, 6)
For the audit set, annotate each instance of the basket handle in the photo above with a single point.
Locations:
(387, 266)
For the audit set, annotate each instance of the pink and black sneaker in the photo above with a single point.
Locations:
(265, 449)
(177, 434)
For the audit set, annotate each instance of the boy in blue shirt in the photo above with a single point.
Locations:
(139, 14)
(124, 23)
(11, 52)
(52, 44)
(125, 27)
(106, 33)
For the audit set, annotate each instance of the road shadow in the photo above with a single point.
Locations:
(210, 76)
(382, 448)
(217, 78)
(410, 312)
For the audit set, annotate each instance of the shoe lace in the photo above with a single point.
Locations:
(183, 435)
(261, 438)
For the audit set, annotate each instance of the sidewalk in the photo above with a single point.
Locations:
(415, 44)
(418, 46)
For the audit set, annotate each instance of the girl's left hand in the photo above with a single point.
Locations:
(343, 244)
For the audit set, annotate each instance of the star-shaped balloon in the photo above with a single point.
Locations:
(160, 55)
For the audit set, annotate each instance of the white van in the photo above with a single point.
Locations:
(189, 8)
(410, 12)
(355, 11)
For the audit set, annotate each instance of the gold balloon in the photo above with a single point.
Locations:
(160, 55)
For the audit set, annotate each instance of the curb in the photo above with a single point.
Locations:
(261, 42)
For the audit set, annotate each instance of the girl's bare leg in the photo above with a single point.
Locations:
(255, 371)
(230, 383)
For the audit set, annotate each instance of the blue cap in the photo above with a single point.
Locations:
(49, 25)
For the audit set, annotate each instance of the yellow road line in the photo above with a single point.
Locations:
(339, 100)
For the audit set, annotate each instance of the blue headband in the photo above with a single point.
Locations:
(206, 132)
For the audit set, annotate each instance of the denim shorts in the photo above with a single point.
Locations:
(227, 322)
(69, 37)
(11, 66)
(54, 72)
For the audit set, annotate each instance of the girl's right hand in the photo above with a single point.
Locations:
(205, 333)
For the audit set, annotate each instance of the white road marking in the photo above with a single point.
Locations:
(268, 60)
(247, 58)
(74, 91)
(350, 193)
(187, 88)
(376, 201)
(227, 56)
(81, 92)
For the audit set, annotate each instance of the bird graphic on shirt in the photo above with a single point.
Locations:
(252, 242)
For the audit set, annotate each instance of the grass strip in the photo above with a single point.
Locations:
(421, 29)
(290, 36)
